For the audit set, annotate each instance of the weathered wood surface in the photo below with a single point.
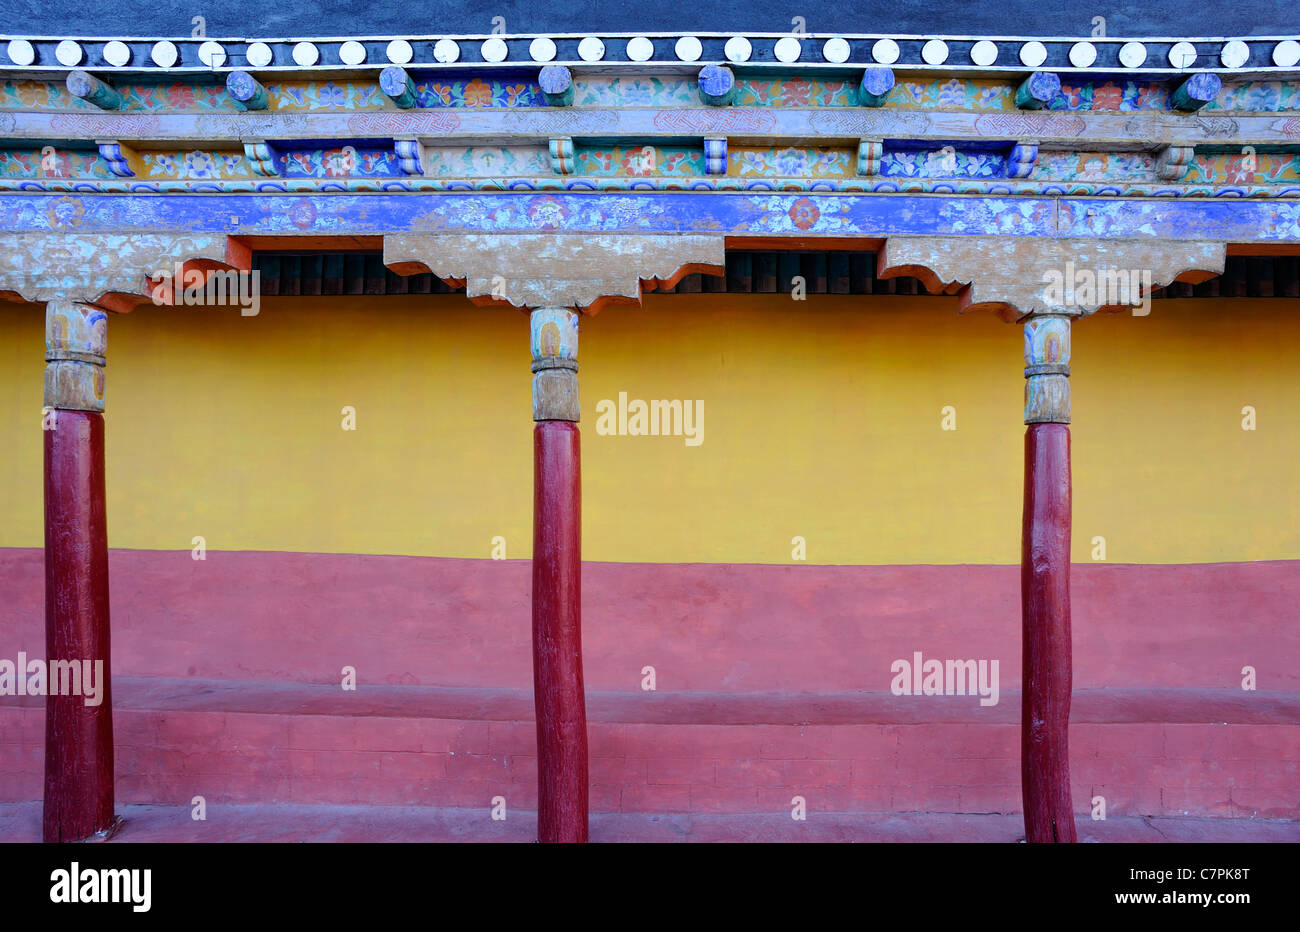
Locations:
(751, 216)
(1083, 130)
(539, 270)
(1017, 277)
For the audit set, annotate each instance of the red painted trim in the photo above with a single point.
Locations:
(557, 633)
(1045, 670)
(78, 737)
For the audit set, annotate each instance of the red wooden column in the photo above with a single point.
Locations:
(557, 580)
(78, 735)
(1045, 584)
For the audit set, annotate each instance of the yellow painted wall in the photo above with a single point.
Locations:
(821, 419)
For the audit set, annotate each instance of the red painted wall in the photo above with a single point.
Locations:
(1158, 654)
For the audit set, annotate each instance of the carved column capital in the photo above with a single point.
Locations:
(554, 340)
(76, 346)
(1047, 369)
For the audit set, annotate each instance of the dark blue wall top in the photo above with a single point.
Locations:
(305, 18)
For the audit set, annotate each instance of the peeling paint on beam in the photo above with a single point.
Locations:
(757, 215)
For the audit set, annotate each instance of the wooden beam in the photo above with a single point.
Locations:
(874, 86)
(246, 92)
(556, 82)
(1196, 91)
(1037, 90)
(87, 87)
(717, 85)
(397, 86)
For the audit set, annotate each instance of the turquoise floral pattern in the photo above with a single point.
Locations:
(790, 162)
(642, 91)
(197, 165)
(479, 93)
(344, 162)
(1269, 96)
(942, 163)
(485, 162)
(638, 162)
(1094, 166)
(52, 163)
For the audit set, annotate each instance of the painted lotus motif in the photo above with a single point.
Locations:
(804, 213)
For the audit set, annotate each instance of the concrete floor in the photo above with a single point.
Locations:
(21, 822)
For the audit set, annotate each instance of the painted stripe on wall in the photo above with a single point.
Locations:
(708, 628)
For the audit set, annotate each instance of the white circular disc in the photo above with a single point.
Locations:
(164, 54)
(1132, 54)
(117, 53)
(446, 51)
(640, 49)
(787, 49)
(494, 50)
(935, 52)
(21, 52)
(885, 51)
(259, 55)
(541, 49)
(1083, 54)
(737, 49)
(213, 55)
(1033, 54)
(1285, 54)
(1235, 54)
(1182, 55)
(688, 48)
(68, 53)
(305, 54)
(836, 50)
(984, 53)
(399, 52)
(591, 49)
(352, 52)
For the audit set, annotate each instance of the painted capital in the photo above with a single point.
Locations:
(549, 270)
(1019, 277)
(1047, 370)
(76, 344)
(554, 340)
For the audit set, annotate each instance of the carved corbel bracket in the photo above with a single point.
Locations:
(562, 158)
(81, 276)
(1173, 162)
(870, 152)
(261, 158)
(1019, 276)
(557, 270)
(410, 155)
(115, 271)
(118, 156)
